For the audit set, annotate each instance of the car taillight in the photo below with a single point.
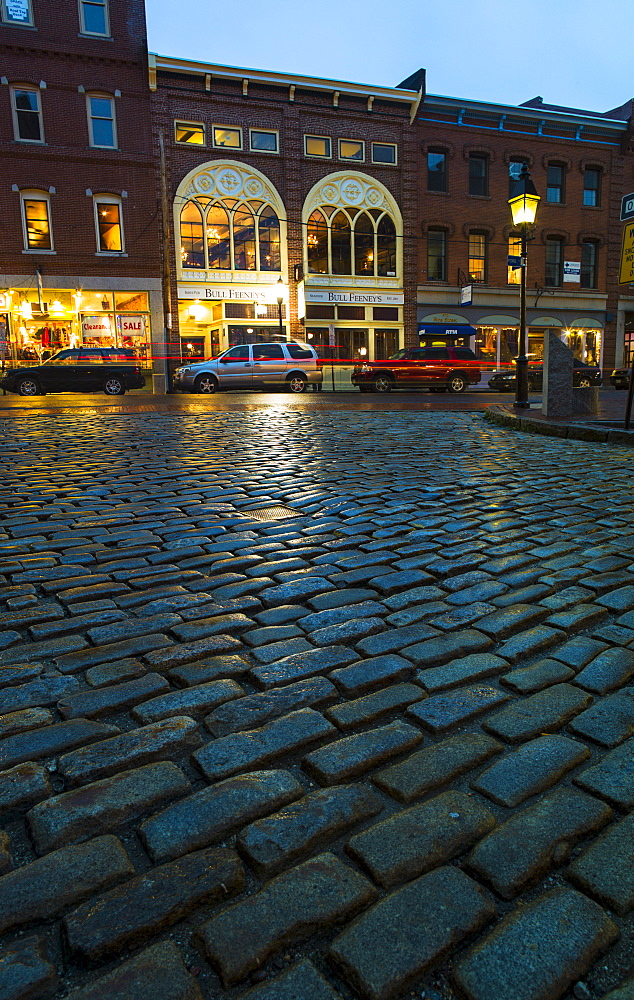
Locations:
(320, 363)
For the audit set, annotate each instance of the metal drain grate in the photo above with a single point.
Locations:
(270, 513)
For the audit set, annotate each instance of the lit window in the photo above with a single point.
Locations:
(36, 219)
(27, 115)
(554, 260)
(436, 171)
(226, 236)
(227, 138)
(589, 261)
(383, 152)
(108, 224)
(264, 141)
(351, 150)
(101, 121)
(591, 187)
(17, 11)
(94, 17)
(317, 145)
(515, 250)
(343, 245)
(478, 174)
(190, 132)
(477, 257)
(555, 184)
(437, 255)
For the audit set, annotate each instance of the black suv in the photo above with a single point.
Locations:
(84, 369)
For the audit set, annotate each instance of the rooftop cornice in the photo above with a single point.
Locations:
(515, 111)
(171, 65)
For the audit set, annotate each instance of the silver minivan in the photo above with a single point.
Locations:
(252, 366)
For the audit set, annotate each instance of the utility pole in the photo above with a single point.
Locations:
(166, 281)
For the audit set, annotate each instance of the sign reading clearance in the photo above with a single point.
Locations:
(355, 298)
(248, 293)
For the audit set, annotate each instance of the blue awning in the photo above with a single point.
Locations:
(446, 330)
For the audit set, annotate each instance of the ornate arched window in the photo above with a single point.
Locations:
(353, 226)
(231, 218)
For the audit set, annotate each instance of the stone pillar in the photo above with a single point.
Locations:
(557, 384)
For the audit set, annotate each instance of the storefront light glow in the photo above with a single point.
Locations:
(26, 309)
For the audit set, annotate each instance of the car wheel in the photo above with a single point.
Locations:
(296, 383)
(382, 383)
(114, 387)
(584, 383)
(28, 387)
(457, 383)
(206, 384)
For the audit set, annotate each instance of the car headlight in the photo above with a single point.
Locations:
(183, 371)
(365, 368)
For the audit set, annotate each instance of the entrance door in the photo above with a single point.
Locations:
(235, 368)
(269, 364)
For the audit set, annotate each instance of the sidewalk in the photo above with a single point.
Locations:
(606, 425)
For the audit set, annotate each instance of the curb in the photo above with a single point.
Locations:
(580, 432)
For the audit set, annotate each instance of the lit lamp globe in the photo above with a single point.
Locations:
(524, 200)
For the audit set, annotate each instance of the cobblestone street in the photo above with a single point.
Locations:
(379, 744)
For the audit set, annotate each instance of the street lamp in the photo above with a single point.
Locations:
(280, 300)
(523, 204)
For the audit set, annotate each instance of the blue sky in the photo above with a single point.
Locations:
(571, 52)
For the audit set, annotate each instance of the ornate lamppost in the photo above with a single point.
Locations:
(523, 204)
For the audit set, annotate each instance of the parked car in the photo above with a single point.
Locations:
(253, 366)
(583, 376)
(620, 378)
(439, 369)
(112, 370)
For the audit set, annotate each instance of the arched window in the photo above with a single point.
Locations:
(218, 241)
(340, 238)
(363, 245)
(269, 231)
(244, 239)
(386, 247)
(192, 246)
(317, 244)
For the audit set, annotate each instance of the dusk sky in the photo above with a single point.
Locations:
(571, 52)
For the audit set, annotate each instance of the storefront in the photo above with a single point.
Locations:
(40, 322)
(367, 324)
(212, 318)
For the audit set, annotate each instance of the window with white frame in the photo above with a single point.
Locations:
(192, 133)
(351, 149)
(102, 128)
(27, 114)
(108, 223)
(317, 145)
(17, 12)
(384, 152)
(348, 242)
(227, 137)
(93, 17)
(36, 220)
(264, 140)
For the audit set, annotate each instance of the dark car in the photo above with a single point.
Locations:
(84, 369)
(583, 376)
(439, 369)
(620, 378)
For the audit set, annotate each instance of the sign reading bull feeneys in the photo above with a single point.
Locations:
(355, 298)
(249, 293)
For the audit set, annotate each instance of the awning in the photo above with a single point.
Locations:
(446, 330)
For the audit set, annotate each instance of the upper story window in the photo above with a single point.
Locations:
(101, 121)
(555, 183)
(351, 149)
(108, 223)
(515, 169)
(349, 242)
(478, 174)
(437, 255)
(229, 235)
(17, 11)
(192, 133)
(227, 138)
(436, 171)
(554, 260)
(589, 262)
(477, 257)
(36, 220)
(93, 17)
(514, 274)
(27, 114)
(317, 145)
(384, 152)
(592, 187)
(264, 140)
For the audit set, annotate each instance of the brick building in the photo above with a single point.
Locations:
(80, 254)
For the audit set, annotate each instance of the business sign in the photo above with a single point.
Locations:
(626, 270)
(331, 336)
(96, 326)
(627, 207)
(354, 298)
(249, 293)
(131, 326)
(572, 271)
(466, 295)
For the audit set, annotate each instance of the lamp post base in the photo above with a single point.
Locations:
(521, 406)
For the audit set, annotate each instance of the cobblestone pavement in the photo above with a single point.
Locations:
(381, 748)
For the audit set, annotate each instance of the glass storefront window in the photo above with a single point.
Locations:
(385, 344)
(131, 301)
(96, 302)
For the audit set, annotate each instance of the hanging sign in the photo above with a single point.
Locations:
(572, 271)
(131, 326)
(626, 271)
(466, 295)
